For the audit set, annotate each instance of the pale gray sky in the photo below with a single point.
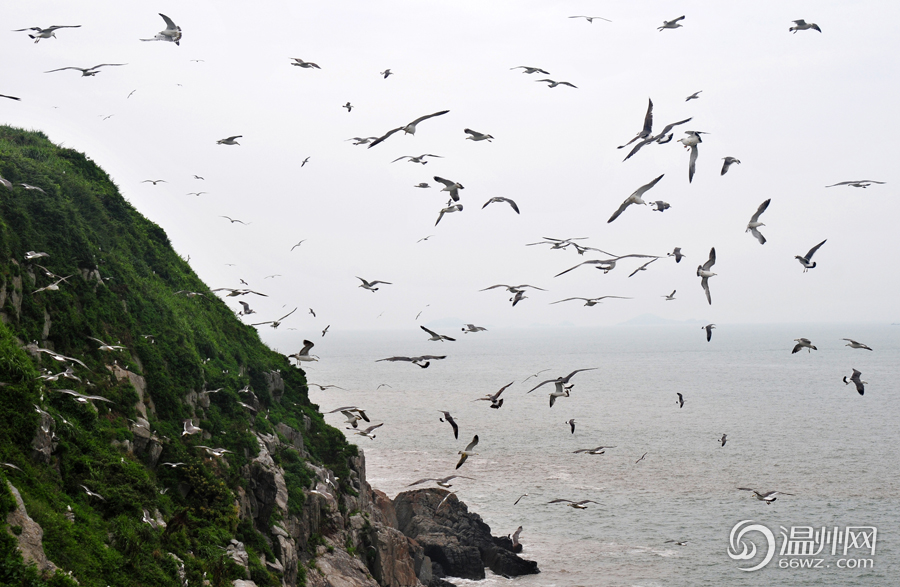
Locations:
(801, 111)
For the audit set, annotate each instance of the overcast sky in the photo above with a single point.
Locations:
(801, 111)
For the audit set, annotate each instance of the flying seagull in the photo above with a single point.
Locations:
(229, 140)
(694, 96)
(590, 19)
(92, 494)
(171, 33)
(680, 400)
(803, 343)
(82, 398)
(474, 135)
(436, 336)
(275, 323)
(805, 260)
(802, 25)
(368, 431)
(635, 198)
(645, 132)
(467, 452)
(660, 139)
(599, 450)
(472, 328)
(643, 267)
(450, 186)
(386, 73)
(348, 106)
(690, 142)
(449, 419)
(709, 329)
(448, 210)
(578, 505)
(703, 271)
(419, 159)
(552, 84)
(677, 254)
(571, 423)
(724, 439)
(326, 330)
(501, 199)
(671, 296)
(306, 65)
(303, 354)
(443, 481)
(855, 345)
(527, 69)
(754, 223)
(859, 383)
(87, 72)
(297, 245)
(590, 302)
(520, 499)
(422, 361)
(494, 398)
(370, 285)
(640, 459)
(606, 265)
(768, 496)
(409, 129)
(671, 24)
(46, 33)
(560, 381)
(861, 183)
(154, 181)
(729, 161)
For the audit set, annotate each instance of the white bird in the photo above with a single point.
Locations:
(370, 285)
(606, 265)
(89, 71)
(215, 452)
(474, 135)
(552, 84)
(802, 25)
(34, 255)
(642, 267)
(306, 65)
(754, 223)
(448, 210)
(436, 336)
(803, 343)
(422, 184)
(172, 32)
(409, 129)
(768, 496)
(92, 494)
(467, 452)
(590, 19)
(723, 440)
(592, 451)
(806, 260)
(472, 328)
(229, 140)
(635, 198)
(368, 431)
(419, 159)
(703, 271)
(303, 354)
(53, 286)
(590, 301)
(501, 199)
(247, 310)
(527, 69)
(422, 361)
(189, 428)
(855, 345)
(449, 419)
(46, 33)
(729, 161)
(660, 139)
(494, 398)
(660, 206)
(107, 347)
(443, 481)
(559, 382)
(677, 254)
(859, 383)
(276, 323)
(694, 96)
(671, 296)
(709, 329)
(450, 186)
(82, 398)
(32, 187)
(860, 183)
(571, 423)
(690, 142)
(578, 505)
(671, 24)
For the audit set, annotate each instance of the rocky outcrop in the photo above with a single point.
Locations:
(31, 535)
(43, 443)
(456, 540)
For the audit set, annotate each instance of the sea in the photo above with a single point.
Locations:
(792, 426)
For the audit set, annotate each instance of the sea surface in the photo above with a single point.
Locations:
(792, 426)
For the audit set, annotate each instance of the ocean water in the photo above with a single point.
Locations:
(792, 426)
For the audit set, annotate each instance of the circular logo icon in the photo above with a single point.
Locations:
(739, 549)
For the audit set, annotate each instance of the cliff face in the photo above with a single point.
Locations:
(111, 352)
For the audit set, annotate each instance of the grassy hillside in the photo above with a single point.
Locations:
(124, 276)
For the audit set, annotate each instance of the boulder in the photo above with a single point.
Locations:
(30, 540)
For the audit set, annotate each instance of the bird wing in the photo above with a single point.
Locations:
(169, 24)
(63, 68)
(712, 259)
(644, 188)
(371, 428)
(420, 481)
(511, 203)
(384, 137)
(446, 182)
(669, 127)
(427, 116)
(106, 65)
(567, 84)
(758, 236)
(497, 395)
(307, 344)
(593, 261)
(462, 460)
(474, 133)
(399, 158)
(800, 22)
(704, 283)
(397, 359)
(813, 250)
(560, 500)
(286, 315)
(638, 146)
(472, 444)
(569, 376)
(234, 137)
(615, 215)
(760, 210)
(431, 332)
(693, 163)
(376, 282)
(648, 119)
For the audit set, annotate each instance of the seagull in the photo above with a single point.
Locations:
(855, 345)
(352, 418)
(472, 328)
(515, 537)
(660, 139)
(693, 96)
(446, 497)
(592, 451)
(856, 381)
(33, 348)
(501, 199)
(422, 361)
(754, 223)
(326, 330)
(803, 343)
(690, 142)
(275, 323)
(578, 505)
(805, 261)
(46, 33)
(53, 286)
(419, 159)
(527, 69)
(467, 452)
(642, 267)
(436, 336)
(303, 354)
(386, 73)
(450, 186)
(560, 381)
(671, 24)
(723, 439)
(92, 494)
(237, 292)
(449, 419)
(729, 161)
(107, 347)
(640, 459)
(306, 65)
(635, 198)
(474, 135)
(189, 428)
(247, 309)
(348, 106)
(680, 400)
(494, 398)
(409, 129)
(87, 72)
(590, 19)
(677, 254)
(553, 84)
(229, 140)
(82, 398)
(171, 33)
(32, 187)
(709, 329)
(671, 296)
(677, 542)
(34, 255)
(423, 185)
(156, 181)
(862, 183)
(767, 497)
(571, 423)
(443, 481)
(520, 499)
(802, 25)
(369, 285)
(362, 140)
(590, 302)
(518, 297)
(198, 177)
(298, 244)
(703, 271)
(448, 210)
(304, 162)
(645, 132)
(324, 387)
(215, 452)
(198, 194)
(660, 206)
(368, 431)
(606, 265)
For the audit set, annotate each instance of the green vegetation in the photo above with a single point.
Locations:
(123, 284)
